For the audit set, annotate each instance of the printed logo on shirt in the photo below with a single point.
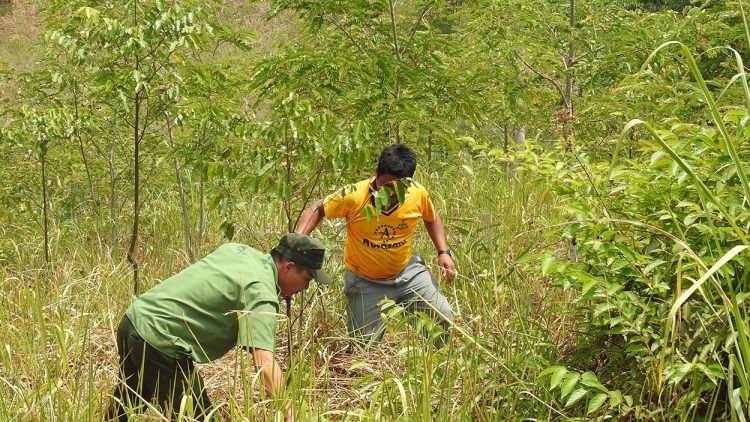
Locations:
(385, 232)
(403, 225)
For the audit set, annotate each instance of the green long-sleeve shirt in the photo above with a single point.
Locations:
(228, 298)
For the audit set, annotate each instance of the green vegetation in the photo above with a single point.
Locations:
(602, 259)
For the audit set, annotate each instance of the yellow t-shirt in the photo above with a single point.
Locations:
(380, 249)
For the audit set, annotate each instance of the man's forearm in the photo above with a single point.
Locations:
(311, 218)
(437, 233)
(445, 261)
(273, 378)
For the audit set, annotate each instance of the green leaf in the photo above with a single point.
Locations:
(548, 371)
(615, 398)
(676, 373)
(400, 188)
(575, 397)
(357, 129)
(557, 377)
(88, 12)
(688, 292)
(653, 264)
(215, 203)
(228, 229)
(361, 157)
(547, 263)
(627, 252)
(359, 364)
(568, 385)
(589, 379)
(596, 403)
(604, 307)
(368, 212)
(588, 285)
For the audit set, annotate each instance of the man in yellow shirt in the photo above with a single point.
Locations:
(378, 249)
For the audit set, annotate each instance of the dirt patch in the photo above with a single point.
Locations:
(18, 26)
(18, 19)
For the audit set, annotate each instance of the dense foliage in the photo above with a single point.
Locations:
(588, 157)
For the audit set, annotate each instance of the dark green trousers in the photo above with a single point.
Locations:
(147, 374)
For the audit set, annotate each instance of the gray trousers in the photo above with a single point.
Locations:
(414, 288)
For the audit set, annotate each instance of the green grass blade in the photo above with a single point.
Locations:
(687, 293)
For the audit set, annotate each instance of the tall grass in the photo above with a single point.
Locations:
(59, 357)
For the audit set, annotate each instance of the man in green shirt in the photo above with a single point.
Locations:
(229, 298)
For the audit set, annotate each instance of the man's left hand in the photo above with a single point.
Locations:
(447, 267)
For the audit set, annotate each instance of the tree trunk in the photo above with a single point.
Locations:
(88, 170)
(287, 200)
(44, 207)
(202, 217)
(136, 188)
(570, 62)
(181, 190)
(519, 135)
(112, 197)
(136, 200)
(573, 247)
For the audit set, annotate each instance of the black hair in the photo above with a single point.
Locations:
(278, 257)
(397, 160)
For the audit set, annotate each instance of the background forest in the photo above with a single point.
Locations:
(588, 158)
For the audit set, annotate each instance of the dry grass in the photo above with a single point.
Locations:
(20, 35)
(334, 376)
(271, 34)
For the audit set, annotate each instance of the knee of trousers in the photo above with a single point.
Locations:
(446, 313)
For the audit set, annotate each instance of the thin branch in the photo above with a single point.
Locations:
(335, 22)
(392, 5)
(394, 94)
(416, 25)
(576, 59)
(554, 82)
(313, 186)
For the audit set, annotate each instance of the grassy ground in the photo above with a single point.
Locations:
(58, 356)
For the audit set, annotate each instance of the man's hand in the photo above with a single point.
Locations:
(447, 267)
(273, 378)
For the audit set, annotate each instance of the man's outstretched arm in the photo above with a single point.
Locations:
(311, 218)
(437, 234)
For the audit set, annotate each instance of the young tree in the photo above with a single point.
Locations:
(129, 56)
(383, 63)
